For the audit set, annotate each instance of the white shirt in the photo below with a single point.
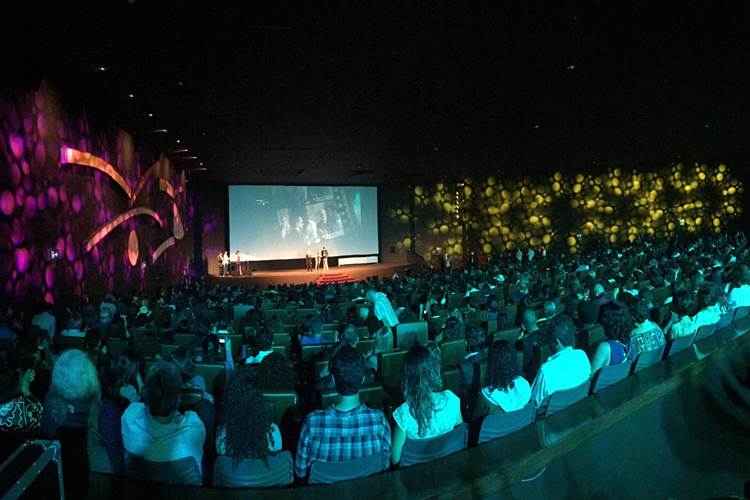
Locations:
(446, 416)
(383, 308)
(565, 369)
(509, 399)
(74, 332)
(739, 297)
(254, 360)
(144, 437)
(708, 316)
(683, 328)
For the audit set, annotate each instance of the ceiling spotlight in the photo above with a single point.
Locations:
(178, 141)
(536, 126)
(199, 169)
(201, 164)
(131, 95)
(101, 69)
(189, 157)
(571, 67)
(150, 115)
(160, 131)
(180, 83)
(183, 150)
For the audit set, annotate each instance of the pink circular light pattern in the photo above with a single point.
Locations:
(49, 276)
(16, 145)
(7, 202)
(23, 260)
(52, 196)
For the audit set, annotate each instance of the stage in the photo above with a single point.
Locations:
(336, 275)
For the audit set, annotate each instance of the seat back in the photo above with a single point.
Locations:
(391, 365)
(452, 352)
(425, 450)
(209, 372)
(648, 358)
(239, 311)
(562, 399)
(279, 349)
(452, 380)
(704, 332)
(365, 346)
(280, 403)
(276, 470)
(610, 375)
(182, 471)
(594, 334)
(679, 344)
(333, 472)
(510, 335)
(408, 334)
(741, 321)
(282, 339)
(498, 425)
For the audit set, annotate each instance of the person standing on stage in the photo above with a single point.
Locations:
(220, 262)
(317, 261)
(324, 257)
(239, 262)
(225, 262)
(308, 261)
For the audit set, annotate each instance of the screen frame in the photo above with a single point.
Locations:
(378, 205)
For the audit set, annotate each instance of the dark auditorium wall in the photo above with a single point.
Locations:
(61, 183)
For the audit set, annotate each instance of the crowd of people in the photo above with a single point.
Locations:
(109, 408)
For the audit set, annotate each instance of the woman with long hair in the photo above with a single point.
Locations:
(505, 389)
(427, 411)
(617, 323)
(248, 430)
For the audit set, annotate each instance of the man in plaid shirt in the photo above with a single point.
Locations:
(348, 430)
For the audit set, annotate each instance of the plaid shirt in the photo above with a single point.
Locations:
(332, 435)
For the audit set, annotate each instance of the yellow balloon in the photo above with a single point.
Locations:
(444, 229)
(489, 191)
(407, 242)
(467, 191)
(546, 239)
(487, 248)
(534, 219)
(571, 241)
(491, 181)
(418, 190)
(458, 249)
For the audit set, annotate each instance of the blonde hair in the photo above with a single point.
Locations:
(74, 376)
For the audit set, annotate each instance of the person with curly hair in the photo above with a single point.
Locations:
(428, 411)
(505, 388)
(617, 324)
(275, 373)
(248, 431)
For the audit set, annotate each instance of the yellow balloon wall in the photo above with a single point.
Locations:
(614, 207)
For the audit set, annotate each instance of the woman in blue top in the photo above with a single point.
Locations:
(617, 324)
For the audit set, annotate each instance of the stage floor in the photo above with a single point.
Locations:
(343, 274)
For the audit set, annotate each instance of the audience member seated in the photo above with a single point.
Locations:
(532, 340)
(681, 323)
(154, 429)
(382, 308)
(505, 390)
(248, 431)
(20, 410)
(45, 320)
(74, 327)
(709, 310)
(262, 346)
(428, 411)
(348, 429)
(739, 293)
(617, 325)
(275, 373)
(565, 369)
(647, 335)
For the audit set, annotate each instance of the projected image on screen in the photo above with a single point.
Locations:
(285, 222)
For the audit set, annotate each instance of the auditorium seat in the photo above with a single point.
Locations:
(280, 403)
(496, 425)
(704, 332)
(610, 375)
(391, 366)
(452, 352)
(509, 335)
(365, 346)
(280, 349)
(741, 320)
(209, 372)
(678, 345)
(562, 399)
(281, 339)
(418, 451)
(452, 380)
(647, 359)
(184, 471)
(276, 469)
(333, 472)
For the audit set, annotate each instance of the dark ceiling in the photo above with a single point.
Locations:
(330, 93)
